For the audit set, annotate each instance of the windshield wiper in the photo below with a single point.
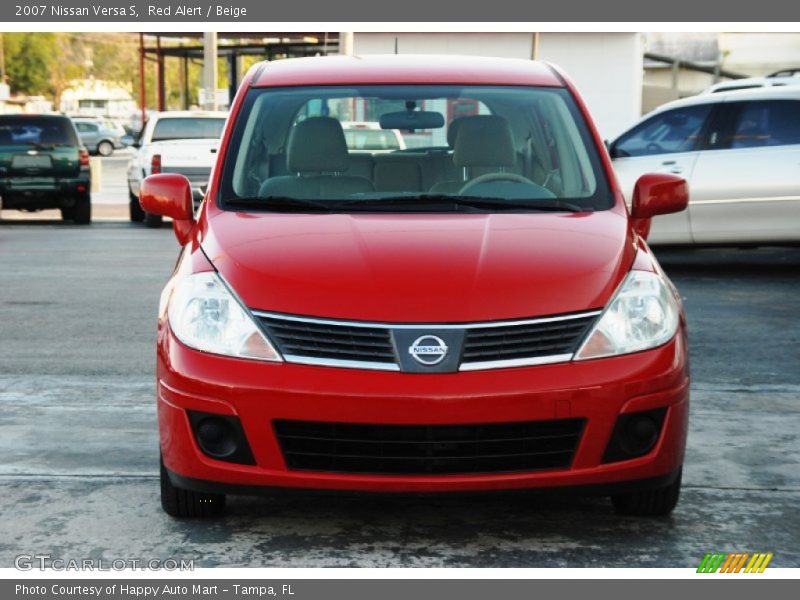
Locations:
(478, 202)
(283, 203)
(394, 203)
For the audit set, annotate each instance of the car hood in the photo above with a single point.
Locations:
(420, 268)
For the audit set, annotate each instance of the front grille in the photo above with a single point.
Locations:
(428, 449)
(531, 340)
(324, 340)
(368, 345)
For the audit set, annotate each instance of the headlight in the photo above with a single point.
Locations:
(205, 315)
(643, 314)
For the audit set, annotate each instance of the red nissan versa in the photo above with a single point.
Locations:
(477, 311)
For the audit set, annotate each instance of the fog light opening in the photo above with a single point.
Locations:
(640, 434)
(634, 435)
(221, 437)
(216, 437)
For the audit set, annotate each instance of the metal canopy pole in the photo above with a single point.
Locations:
(160, 72)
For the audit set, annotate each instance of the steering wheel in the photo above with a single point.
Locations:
(490, 177)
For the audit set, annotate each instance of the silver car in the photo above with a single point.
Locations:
(740, 153)
(98, 137)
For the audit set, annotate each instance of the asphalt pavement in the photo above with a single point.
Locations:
(78, 474)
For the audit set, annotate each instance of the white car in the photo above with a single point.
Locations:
(777, 79)
(740, 153)
(183, 142)
(367, 136)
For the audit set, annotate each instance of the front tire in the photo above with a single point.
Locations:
(105, 148)
(657, 502)
(185, 504)
(136, 212)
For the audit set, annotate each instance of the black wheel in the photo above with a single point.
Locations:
(186, 504)
(105, 148)
(82, 211)
(67, 213)
(152, 221)
(136, 212)
(657, 502)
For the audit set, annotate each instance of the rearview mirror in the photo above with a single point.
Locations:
(657, 194)
(412, 119)
(170, 195)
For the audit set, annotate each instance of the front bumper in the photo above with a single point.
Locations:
(259, 393)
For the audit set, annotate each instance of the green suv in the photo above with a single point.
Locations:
(43, 165)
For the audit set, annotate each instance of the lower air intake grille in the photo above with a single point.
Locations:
(428, 449)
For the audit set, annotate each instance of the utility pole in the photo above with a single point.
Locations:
(210, 70)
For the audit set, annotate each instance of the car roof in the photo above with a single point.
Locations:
(34, 116)
(753, 82)
(787, 92)
(405, 68)
(211, 114)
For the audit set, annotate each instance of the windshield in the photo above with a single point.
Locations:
(36, 130)
(414, 147)
(187, 128)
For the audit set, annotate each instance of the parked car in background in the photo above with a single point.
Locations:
(99, 136)
(740, 153)
(432, 322)
(777, 79)
(44, 165)
(183, 142)
(367, 136)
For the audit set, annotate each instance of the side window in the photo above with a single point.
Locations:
(675, 130)
(767, 123)
(81, 127)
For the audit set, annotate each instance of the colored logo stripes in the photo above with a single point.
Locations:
(734, 562)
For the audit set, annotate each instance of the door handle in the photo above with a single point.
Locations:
(674, 166)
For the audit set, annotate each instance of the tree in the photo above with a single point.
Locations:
(73, 63)
(29, 60)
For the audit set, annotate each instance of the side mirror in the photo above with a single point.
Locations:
(657, 194)
(170, 195)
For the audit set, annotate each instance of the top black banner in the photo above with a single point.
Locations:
(444, 11)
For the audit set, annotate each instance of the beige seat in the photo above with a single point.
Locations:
(481, 142)
(317, 155)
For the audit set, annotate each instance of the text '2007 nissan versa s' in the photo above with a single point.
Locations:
(476, 311)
